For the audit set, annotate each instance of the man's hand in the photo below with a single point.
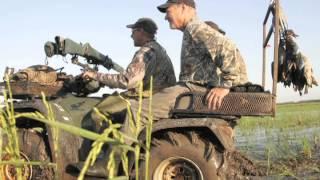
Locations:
(215, 96)
(89, 75)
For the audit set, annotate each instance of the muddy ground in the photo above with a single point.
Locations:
(299, 167)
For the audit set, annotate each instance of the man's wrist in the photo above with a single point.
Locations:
(226, 84)
(97, 76)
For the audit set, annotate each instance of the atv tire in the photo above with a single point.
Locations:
(32, 148)
(179, 155)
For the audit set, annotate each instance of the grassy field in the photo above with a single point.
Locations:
(290, 115)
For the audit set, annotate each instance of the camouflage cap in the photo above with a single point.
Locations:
(163, 8)
(147, 24)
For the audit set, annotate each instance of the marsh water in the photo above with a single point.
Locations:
(287, 149)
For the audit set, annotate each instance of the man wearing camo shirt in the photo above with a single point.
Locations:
(150, 60)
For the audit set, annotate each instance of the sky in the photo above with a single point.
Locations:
(27, 25)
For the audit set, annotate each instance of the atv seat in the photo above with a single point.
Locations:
(193, 104)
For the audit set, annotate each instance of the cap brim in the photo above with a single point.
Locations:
(222, 31)
(163, 8)
(131, 26)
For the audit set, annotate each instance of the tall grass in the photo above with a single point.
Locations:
(121, 150)
(149, 132)
(8, 122)
(111, 136)
(306, 148)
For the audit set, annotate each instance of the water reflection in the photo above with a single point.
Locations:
(258, 141)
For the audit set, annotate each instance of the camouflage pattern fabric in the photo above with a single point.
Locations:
(209, 58)
(41, 74)
(150, 60)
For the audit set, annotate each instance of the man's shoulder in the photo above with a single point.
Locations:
(147, 51)
(145, 48)
(153, 46)
(197, 29)
(194, 23)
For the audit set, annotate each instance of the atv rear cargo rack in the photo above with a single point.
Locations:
(234, 104)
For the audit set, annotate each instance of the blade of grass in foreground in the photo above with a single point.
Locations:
(9, 125)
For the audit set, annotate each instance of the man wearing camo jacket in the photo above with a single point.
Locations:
(150, 60)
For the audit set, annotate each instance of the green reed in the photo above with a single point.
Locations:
(111, 136)
(8, 122)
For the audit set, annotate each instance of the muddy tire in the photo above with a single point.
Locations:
(33, 148)
(180, 155)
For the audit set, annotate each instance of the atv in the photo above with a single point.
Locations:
(193, 143)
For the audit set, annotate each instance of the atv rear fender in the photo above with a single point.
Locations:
(219, 129)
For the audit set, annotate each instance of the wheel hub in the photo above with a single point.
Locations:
(178, 168)
(10, 172)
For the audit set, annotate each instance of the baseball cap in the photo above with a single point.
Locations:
(147, 24)
(163, 8)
